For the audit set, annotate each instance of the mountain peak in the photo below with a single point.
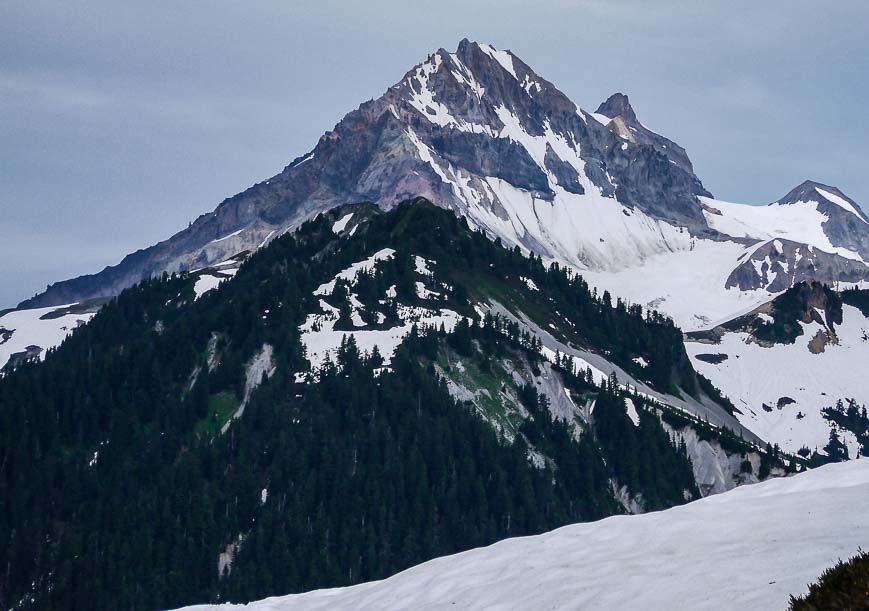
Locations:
(475, 130)
(471, 52)
(466, 45)
(813, 191)
(618, 105)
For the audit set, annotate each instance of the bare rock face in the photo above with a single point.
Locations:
(847, 224)
(778, 321)
(452, 127)
(653, 153)
(779, 264)
(618, 108)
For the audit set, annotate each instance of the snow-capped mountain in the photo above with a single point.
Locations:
(691, 557)
(477, 131)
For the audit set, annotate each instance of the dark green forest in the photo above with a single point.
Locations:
(117, 490)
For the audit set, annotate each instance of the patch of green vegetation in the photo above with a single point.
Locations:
(220, 408)
(512, 293)
(485, 380)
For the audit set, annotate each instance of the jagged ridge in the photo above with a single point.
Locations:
(476, 131)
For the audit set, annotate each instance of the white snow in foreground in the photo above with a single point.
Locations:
(749, 548)
(339, 225)
(28, 329)
(753, 375)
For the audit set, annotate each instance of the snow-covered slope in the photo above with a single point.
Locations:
(759, 252)
(801, 221)
(750, 548)
(322, 340)
(688, 285)
(28, 334)
(781, 388)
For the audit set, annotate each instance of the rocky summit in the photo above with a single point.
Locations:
(476, 131)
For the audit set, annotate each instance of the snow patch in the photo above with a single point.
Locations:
(799, 222)
(632, 411)
(349, 274)
(322, 340)
(226, 237)
(208, 282)
(29, 328)
(339, 225)
(839, 201)
(529, 283)
(754, 376)
(504, 58)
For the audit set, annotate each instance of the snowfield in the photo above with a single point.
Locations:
(30, 329)
(754, 375)
(750, 548)
(687, 285)
(798, 222)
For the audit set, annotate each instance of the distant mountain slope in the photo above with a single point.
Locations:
(787, 364)
(750, 548)
(28, 334)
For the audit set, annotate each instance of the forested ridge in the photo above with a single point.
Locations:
(117, 489)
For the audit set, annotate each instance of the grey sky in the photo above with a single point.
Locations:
(122, 121)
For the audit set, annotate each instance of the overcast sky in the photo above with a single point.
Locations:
(122, 121)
